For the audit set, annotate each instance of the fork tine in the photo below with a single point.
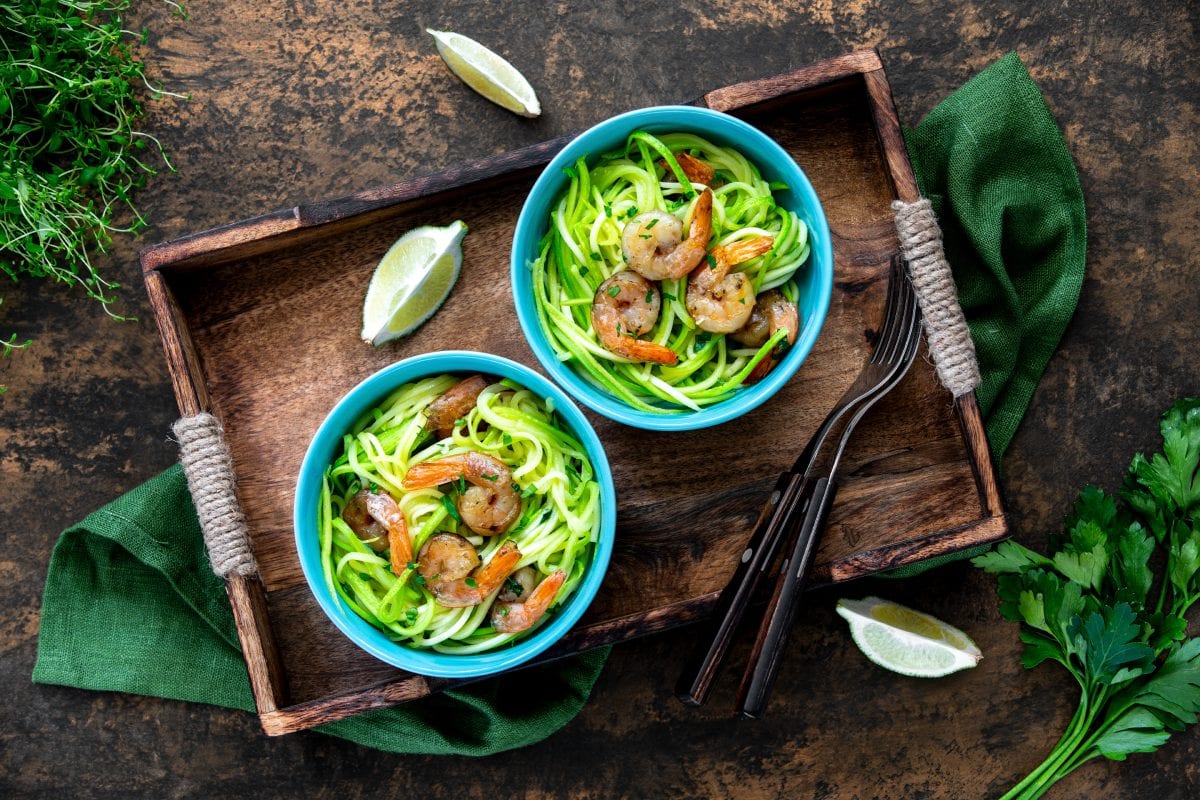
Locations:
(889, 330)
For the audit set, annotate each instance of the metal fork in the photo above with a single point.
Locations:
(792, 497)
(898, 348)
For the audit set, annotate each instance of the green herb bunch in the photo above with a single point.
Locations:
(70, 94)
(1109, 605)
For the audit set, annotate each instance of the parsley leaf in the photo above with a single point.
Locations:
(1096, 606)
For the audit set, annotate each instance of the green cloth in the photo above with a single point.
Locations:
(997, 172)
(131, 603)
(993, 164)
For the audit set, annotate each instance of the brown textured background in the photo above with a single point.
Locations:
(296, 100)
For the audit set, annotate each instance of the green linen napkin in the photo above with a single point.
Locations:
(131, 603)
(995, 168)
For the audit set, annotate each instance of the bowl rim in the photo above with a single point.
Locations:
(321, 450)
(524, 242)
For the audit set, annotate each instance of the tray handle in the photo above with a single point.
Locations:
(209, 470)
(945, 325)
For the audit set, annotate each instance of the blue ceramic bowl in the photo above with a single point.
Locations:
(327, 443)
(815, 279)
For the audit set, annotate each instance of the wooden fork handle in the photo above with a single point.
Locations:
(761, 550)
(777, 622)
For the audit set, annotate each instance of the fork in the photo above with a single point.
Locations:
(793, 495)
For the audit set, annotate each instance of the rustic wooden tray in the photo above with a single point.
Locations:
(260, 324)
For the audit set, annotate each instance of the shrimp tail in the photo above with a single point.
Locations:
(493, 573)
(517, 617)
(741, 251)
(400, 544)
(695, 169)
(433, 473)
(643, 350)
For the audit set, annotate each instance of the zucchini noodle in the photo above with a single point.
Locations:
(557, 529)
(583, 247)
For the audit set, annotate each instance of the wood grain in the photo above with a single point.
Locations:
(271, 299)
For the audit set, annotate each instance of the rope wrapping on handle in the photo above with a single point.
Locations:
(209, 470)
(945, 326)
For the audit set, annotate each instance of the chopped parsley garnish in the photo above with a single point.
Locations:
(583, 271)
(504, 611)
(649, 295)
(513, 586)
(450, 509)
(506, 438)
(645, 236)
(596, 256)
(490, 477)
(613, 291)
(419, 579)
(651, 223)
(471, 582)
(411, 615)
(374, 488)
(712, 261)
(528, 491)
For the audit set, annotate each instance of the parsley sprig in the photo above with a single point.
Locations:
(70, 157)
(1098, 607)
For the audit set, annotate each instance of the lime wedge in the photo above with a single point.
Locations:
(907, 641)
(412, 281)
(487, 73)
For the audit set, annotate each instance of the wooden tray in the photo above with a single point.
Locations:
(260, 324)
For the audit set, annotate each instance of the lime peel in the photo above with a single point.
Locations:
(411, 281)
(905, 641)
(487, 73)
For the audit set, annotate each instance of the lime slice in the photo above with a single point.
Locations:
(412, 281)
(487, 73)
(907, 641)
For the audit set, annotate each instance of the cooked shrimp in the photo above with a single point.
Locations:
(363, 524)
(771, 312)
(490, 505)
(720, 301)
(518, 585)
(660, 254)
(514, 617)
(625, 306)
(454, 404)
(450, 567)
(695, 169)
(370, 515)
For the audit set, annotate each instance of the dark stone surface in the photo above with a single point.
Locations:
(295, 100)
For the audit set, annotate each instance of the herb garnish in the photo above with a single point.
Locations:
(450, 509)
(70, 158)
(649, 295)
(471, 582)
(1091, 606)
(650, 224)
(513, 586)
(613, 291)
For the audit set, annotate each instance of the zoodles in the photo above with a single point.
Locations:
(540, 466)
(587, 249)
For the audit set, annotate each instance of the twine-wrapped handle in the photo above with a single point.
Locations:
(945, 326)
(209, 470)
